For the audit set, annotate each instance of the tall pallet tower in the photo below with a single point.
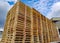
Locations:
(26, 25)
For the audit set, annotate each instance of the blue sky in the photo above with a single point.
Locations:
(49, 8)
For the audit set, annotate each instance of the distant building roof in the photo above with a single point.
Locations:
(56, 18)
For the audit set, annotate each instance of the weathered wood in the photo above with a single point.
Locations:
(26, 25)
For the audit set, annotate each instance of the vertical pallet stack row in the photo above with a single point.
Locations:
(20, 26)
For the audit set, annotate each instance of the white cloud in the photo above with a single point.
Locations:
(4, 8)
(1, 28)
(55, 10)
(42, 6)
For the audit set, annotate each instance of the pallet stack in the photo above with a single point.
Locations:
(26, 25)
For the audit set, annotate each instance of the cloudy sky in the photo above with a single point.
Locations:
(49, 8)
